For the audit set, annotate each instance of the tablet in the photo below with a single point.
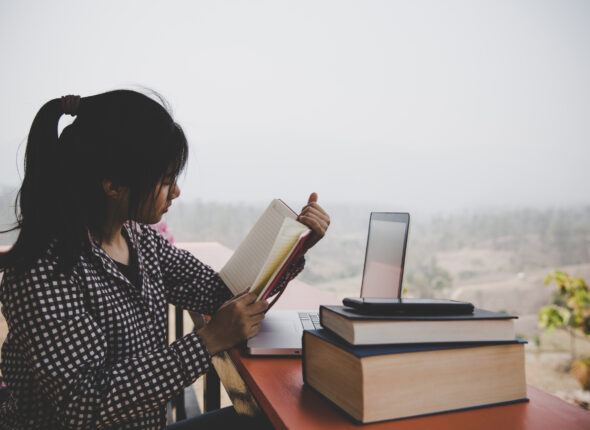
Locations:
(388, 306)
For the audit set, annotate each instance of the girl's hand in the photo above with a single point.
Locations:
(235, 321)
(313, 216)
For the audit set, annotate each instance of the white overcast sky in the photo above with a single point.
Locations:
(413, 105)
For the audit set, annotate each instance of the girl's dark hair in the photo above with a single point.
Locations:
(123, 136)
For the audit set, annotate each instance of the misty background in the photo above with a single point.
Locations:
(471, 115)
(421, 106)
(453, 111)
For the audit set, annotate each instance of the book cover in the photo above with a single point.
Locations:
(387, 382)
(269, 248)
(478, 314)
(361, 329)
(361, 351)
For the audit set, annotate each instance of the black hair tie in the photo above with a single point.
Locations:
(70, 104)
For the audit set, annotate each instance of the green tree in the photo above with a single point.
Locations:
(570, 309)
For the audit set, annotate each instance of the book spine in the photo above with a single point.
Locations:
(323, 310)
(303, 361)
(287, 206)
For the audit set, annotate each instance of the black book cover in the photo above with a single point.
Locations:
(361, 351)
(478, 314)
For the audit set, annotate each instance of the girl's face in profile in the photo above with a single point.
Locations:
(153, 209)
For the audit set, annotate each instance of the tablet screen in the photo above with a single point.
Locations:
(384, 259)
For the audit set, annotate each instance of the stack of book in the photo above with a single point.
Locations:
(377, 368)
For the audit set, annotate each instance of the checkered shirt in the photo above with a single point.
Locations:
(90, 350)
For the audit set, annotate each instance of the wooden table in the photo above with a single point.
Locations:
(274, 386)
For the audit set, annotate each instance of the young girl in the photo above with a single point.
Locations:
(87, 283)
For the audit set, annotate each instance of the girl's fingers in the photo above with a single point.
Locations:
(314, 206)
(316, 218)
(255, 319)
(245, 296)
(316, 225)
(253, 330)
(315, 211)
(258, 308)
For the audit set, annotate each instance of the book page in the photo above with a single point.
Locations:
(271, 283)
(288, 236)
(240, 272)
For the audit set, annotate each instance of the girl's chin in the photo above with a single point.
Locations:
(151, 220)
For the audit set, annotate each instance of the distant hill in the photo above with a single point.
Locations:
(444, 252)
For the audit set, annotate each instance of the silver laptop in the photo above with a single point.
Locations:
(281, 330)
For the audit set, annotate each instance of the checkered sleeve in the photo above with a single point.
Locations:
(68, 354)
(195, 286)
(189, 283)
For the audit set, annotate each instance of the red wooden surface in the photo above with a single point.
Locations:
(277, 384)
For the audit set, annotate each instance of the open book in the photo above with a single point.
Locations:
(270, 247)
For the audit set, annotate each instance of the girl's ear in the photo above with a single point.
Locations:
(114, 190)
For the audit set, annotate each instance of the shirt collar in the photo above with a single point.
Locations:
(133, 231)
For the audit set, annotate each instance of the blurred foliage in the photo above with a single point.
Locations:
(570, 309)
(571, 306)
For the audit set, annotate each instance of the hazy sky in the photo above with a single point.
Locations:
(414, 105)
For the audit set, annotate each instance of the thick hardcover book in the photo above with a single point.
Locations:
(275, 241)
(378, 383)
(361, 329)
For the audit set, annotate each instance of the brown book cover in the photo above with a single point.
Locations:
(385, 382)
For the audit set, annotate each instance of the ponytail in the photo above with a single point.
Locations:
(36, 195)
(123, 136)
